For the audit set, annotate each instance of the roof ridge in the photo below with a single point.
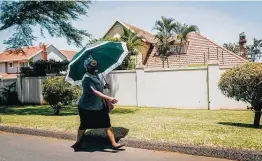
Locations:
(220, 46)
(148, 37)
(26, 56)
(136, 27)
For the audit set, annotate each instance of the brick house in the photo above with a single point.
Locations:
(199, 50)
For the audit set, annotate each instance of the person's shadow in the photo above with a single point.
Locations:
(96, 140)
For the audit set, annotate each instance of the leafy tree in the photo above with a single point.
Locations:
(8, 95)
(41, 68)
(234, 47)
(182, 31)
(244, 83)
(53, 16)
(253, 51)
(59, 93)
(165, 31)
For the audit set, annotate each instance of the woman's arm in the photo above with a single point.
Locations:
(103, 96)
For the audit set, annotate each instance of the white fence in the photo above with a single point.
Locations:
(29, 90)
(191, 88)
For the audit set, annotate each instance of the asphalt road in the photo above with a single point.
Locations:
(16, 147)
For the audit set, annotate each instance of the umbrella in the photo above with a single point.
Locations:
(109, 55)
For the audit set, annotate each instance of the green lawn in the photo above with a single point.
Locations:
(199, 127)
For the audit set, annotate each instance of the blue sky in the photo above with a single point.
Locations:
(219, 21)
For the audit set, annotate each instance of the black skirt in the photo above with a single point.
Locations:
(90, 119)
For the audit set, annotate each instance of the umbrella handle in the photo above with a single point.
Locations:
(107, 86)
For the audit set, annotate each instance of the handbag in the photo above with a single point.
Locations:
(108, 105)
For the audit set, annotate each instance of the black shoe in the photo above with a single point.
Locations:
(78, 146)
(118, 147)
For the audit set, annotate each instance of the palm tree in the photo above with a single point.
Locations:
(254, 50)
(133, 43)
(182, 31)
(165, 28)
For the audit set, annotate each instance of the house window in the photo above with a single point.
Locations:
(24, 64)
(11, 65)
(176, 49)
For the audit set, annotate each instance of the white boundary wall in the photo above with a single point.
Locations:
(190, 88)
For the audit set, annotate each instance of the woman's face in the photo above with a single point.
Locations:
(92, 67)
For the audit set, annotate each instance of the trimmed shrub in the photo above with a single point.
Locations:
(58, 93)
(244, 83)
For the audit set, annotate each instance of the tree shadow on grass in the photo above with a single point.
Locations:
(48, 111)
(96, 140)
(244, 125)
(39, 110)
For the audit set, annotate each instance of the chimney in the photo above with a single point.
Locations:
(44, 52)
(242, 45)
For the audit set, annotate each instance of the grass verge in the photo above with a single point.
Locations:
(231, 129)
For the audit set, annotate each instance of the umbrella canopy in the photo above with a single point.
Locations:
(109, 55)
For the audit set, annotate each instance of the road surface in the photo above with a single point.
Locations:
(16, 147)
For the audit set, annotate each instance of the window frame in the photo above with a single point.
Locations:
(10, 64)
(175, 49)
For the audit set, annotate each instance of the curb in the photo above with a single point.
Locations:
(226, 153)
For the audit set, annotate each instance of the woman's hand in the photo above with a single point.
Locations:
(112, 100)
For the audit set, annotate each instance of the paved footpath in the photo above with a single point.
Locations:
(17, 147)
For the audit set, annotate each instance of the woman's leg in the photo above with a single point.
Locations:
(81, 129)
(78, 143)
(80, 134)
(110, 134)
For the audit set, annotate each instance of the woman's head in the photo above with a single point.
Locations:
(90, 65)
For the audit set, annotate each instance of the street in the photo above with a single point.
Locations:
(17, 147)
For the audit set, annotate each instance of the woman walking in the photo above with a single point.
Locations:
(93, 111)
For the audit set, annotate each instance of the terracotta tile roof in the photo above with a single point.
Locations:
(29, 52)
(68, 54)
(200, 51)
(7, 76)
(144, 34)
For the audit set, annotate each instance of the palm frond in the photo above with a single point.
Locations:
(132, 40)
(159, 26)
(189, 29)
(179, 28)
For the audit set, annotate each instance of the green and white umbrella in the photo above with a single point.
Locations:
(109, 55)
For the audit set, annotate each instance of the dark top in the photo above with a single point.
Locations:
(88, 100)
